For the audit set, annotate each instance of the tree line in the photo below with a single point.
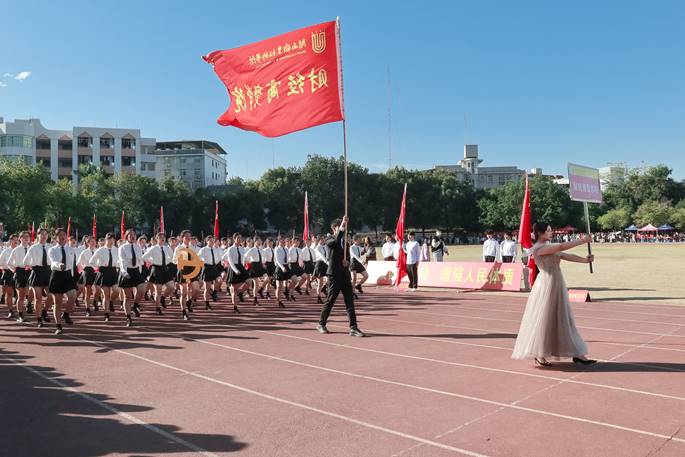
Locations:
(436, 199)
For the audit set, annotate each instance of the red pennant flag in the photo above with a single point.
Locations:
(123, 226)
(216, 219)
(283, 84)
(33, 232)
(161, 219)
(399, 233)
(68, 226)
(525, 230)
(95, 228)
(305, 231)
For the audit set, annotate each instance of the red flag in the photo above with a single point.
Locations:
(123, 226)
(68, 226)
(33, 232)
(283, 84)
(95, 229)
(216, 219)
(399, 232)
(525, 230)
(305, 231)
(161, 219)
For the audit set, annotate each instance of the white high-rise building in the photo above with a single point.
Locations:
(469, 169)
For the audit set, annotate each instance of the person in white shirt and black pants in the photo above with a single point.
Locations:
(37, 259)
(160, 256)
(21, 272)
(130, 259)
(508, 249)
(413, 251)
(106, 260)
(62, 282)
(490, 247)
(388, 249)
(357, 265)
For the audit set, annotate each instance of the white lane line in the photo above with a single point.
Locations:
(285, 401)
(420, 388)
(128, 417)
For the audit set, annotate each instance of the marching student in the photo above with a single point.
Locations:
(357, 264)
(308, 258)
(490, 247)
(87, 279)
(160, 256)
(39, 279)
(413, 255)
(146, 288)
(257, 268)
(106, 261)
(338, 279)
(283, 274)
(172, 270)
(320, 267)
(211, 256)
(270, 265)
(508, 249)
(7, 278)
(190, 289)
(388, 249)
(296, 270)
(237, 275)
(130, 259)
(62, 260)
(21, 272)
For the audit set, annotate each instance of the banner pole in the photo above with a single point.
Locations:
(346, 183)
(587, 222)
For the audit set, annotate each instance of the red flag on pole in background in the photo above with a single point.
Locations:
(161, 219)
(123, 226)
(399, 233)
(33, 232)
(525, 231)
(68, 226)
(283, 84)
(216, 219)
(95, 228)
(305, 231)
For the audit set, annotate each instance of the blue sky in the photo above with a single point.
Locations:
(542, 83)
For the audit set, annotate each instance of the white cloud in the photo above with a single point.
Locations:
(8, 75)
(2, 84)
(22, 75)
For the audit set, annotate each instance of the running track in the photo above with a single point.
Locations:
(434, 378)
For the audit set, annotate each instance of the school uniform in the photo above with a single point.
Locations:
(283, 272)
(357, 264)
(87, 277)
(236, 270)
(388, 251)
(21, 271)
(7, 278)
(413, 251)
(268, 259)
(160, 258)
(254, 257)
(321, 266)
(77, 250)
(186, 270)
(508, 251)
(130, 260)
(62, 261)
(308, 260)
(211, 257)
(145, 269)
(294, 261)
(106, 260)
(37, 258)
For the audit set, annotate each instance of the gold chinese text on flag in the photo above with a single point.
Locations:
(283, 84)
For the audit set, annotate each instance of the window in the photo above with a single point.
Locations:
(147, 166)
(64, 145)
(490, 179)
(43, 145)
(183, 172)
(16, 141)
(106, 143)
(128, 143)
(45, 162)
(107, 160)
(502, 180)
(64, 163)
(83, 159)
(128, 161)
(85, 142)
(198, 172)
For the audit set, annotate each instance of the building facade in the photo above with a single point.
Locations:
(469, 169)
(115, 150)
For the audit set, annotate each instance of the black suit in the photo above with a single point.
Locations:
(339, 279)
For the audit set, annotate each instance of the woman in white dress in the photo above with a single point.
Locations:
(548, 328)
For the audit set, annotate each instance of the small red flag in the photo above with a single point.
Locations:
(216, 219)
(305, 231)
(123, 225)
(95, 229)
(69, 227)
(399, 232)
(161, 219)
(525, 230)
(283, 84)
(33, 232)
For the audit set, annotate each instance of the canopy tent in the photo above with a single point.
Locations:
(665, 228)
(565, 230)
(632, 228)
(648, 228)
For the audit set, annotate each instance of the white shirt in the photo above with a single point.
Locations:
(254, 255)
(101, 257)
(5, 257)
(35, 255)
(17, 257)
(307, 254)
(413, 251)
(233, 257)
(126, 251)
(206, 255)
(84, 257)
(356, 253)
(176, 252)
(154, 255)
(281, 259)
(321, 253)
(388, 249)
(294, 255)
(268, 255)
(508, 247)
(55, 255)
(491, 248)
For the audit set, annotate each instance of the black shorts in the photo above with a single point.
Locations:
(209, 273)
(309, 267)
(61, 282)
(507, 258)
(281, 275)
(357, 267)
(236, 278)
(134, 278)
(489, 258)
(159, 274)
(270, 269)
(320, 269)
(296, 269)
(257, 270)
(7, 278)
(87, 277)
(21, 278)
(39, 277)
(107, 277)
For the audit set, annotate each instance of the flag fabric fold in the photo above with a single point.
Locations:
(123, 225)
(95, 228)
(305, 231)
(525, 232)
(216, 219)
(399, 233)
(69, 227)
(161, 219)
(283, 84)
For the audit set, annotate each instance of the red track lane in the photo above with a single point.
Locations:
(435, 378)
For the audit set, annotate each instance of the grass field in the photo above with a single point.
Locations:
(649, 273)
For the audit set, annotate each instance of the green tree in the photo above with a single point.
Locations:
(615, 219)
(655, 213)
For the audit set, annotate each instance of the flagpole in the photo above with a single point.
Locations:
(344, 124)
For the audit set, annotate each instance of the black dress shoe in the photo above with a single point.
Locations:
(298, 290)
(235, 309)
(29, 308)
(355, 296)
(107, 319)
(359, 288)
(162, 301)
(322, 329)
(255, 302)
(87, 312)
(215, 296)
(10, 315)
(319, 300)
(280, 304)
(186, 317)
(129, 321)
(40, 323)
(21, 319)
(159, 311)
(580, 361)
(67, 319)
(208, 306)
(356, 332)
(58, 330)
